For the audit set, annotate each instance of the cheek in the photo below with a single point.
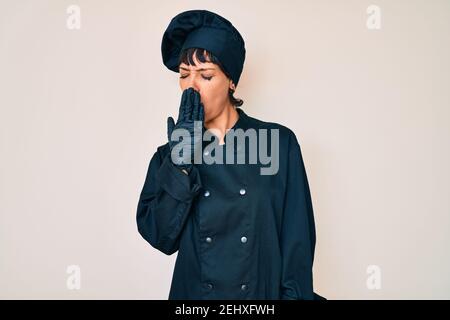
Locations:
(214, 96)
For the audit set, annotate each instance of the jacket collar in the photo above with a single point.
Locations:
(242, 121)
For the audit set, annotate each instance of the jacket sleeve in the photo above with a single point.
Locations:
(298, 236)
(165, 202)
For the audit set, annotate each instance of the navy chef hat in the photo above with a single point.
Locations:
(207, 30)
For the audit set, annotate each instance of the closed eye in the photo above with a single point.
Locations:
(204, 77)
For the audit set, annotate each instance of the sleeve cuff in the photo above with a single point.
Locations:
(178, 184)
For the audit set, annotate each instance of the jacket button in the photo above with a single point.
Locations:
(209, 286)
(244, 239)
(208, 239)
(207, 193)
(244, 287)
(242, 191)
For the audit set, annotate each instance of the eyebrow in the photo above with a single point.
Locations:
(202, 69)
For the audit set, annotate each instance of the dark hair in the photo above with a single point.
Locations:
(202, 55)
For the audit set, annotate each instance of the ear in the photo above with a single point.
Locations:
(232, 86)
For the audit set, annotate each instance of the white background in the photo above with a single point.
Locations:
(82, 112)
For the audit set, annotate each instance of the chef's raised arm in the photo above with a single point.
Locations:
(165, 202)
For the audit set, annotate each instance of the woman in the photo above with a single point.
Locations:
(239, 233)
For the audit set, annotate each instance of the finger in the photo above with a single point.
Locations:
(201, 113)
(189, 104)
(196, 105)
(181, 111)
(170, 126)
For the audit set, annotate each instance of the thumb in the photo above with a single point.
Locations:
(170, 126)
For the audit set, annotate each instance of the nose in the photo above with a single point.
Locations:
(192, 83)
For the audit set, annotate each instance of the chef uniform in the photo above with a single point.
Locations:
(239, 234)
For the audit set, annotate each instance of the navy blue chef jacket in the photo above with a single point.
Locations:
(239, 234)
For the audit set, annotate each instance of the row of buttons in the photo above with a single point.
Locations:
(209, 239)
(242, 192)
(210, 286)
(207, 194)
